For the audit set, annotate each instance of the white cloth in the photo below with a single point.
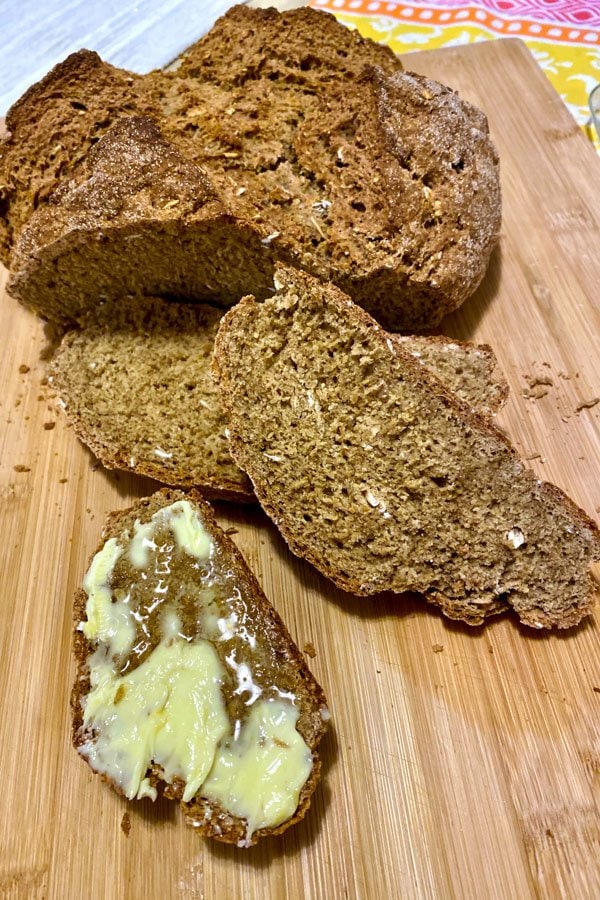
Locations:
(37, 34)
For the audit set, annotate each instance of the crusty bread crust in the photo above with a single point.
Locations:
(333, 524)
(139, 219)
(53, 126)
(383, 182)
(209, 819)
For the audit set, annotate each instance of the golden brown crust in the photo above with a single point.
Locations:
(299, 40)
(381, 181)
(81, 65)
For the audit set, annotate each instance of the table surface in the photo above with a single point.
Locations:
(461, 762)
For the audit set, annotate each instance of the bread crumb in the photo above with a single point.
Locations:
(535, 393)
(24, 369)
(231, 530)
(309, 650)
(21, 468)
(537, 386)
(62, 480)
(437, 648)
(535, 380)
(587, 404)
(48, 426)
(126, 824)
(596, 690)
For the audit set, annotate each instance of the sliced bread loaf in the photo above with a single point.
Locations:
(383, 182)
(135, 382)
(139, 219)
(384, 481)
(187, 679)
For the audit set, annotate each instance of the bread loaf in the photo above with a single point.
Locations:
(187, 679)
(51, 129)
(381, 181)
(139, 219)
(380, 478)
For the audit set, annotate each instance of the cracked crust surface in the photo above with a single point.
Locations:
(381, 181)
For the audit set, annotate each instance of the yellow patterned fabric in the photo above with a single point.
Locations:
(562, 35)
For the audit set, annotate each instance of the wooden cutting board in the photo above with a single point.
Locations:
(461, 762)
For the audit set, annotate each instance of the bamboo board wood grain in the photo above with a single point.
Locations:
(461, 762)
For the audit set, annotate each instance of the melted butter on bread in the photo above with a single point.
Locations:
(108, 619)
(160, 692)
(169, 711)
(259, 774)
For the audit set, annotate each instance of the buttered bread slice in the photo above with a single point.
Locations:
(187, 679)
(382, 479)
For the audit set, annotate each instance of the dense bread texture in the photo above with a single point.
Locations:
(374, 473)
(382, 181)
(135, 382)
(140, 219)
(136, 385)
(471, 371)
(215, 602)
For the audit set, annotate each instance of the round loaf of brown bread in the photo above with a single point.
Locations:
(331, 157)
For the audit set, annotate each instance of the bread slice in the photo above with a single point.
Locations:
(383, 480)
(171, 622)
(381, 181)
(471, 371)
(135, 383)
(139, 220)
